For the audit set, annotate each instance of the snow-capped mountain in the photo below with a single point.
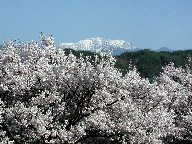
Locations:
(99, 44)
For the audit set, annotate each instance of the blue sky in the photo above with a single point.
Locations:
(145, 23)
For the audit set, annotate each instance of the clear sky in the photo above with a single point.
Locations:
(145, 23)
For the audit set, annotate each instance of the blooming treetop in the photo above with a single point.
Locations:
(49, 97)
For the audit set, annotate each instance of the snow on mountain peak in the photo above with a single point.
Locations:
(97, 44)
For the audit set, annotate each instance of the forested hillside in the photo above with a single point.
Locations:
(150, 63)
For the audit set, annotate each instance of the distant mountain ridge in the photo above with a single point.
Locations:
(164, 49)
(100, 44)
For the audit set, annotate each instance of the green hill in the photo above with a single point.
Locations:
(150, 63)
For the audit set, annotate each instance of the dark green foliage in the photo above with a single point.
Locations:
(150, 63)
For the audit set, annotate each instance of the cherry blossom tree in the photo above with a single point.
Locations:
(49, 97)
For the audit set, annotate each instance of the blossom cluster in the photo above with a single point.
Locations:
(49, 97)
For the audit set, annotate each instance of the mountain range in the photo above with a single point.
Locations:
(100, 44)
